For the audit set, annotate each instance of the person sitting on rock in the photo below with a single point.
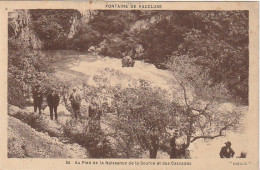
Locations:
(53, 100)
(227, 151)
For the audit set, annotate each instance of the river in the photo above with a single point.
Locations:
(91, 65)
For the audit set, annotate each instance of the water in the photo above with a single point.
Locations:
(112, 70)
(125, 76)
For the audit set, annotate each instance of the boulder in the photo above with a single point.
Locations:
(91, 49)
(13, 109)
(127, 61)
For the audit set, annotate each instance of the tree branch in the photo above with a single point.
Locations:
(211, 137)
(185, 96)
(201, 112)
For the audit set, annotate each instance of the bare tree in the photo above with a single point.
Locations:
(199, 114)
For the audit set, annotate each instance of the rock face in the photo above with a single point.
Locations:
(19, 29)
(128, 62)
(85, 17)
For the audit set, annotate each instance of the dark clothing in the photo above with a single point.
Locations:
(55, 111)
(37, 100)
(76, 109)
(95, 116)
(37, 105)
(176, 152)
(153, 152)
(226, 152)
(173, 148)
(154, 145)
(75, 100)
(53, 100)
(94, 113)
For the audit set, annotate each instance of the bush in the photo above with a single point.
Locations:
(85, 38)
(94, 141)
(25, 69)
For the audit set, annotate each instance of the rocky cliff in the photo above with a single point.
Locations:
(84, 18)
(38, 29)
(19, 29)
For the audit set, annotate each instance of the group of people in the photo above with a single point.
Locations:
(53, 101)
(178, 149)
(177, 144)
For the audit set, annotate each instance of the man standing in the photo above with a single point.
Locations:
(37, 98)
(177, 146)
(75, 100)
(53, 100)
(173, 154)
(154, 144)
(227, 151)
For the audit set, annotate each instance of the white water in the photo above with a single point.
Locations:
(128, 76)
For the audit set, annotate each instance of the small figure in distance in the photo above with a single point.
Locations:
(75, 100)
(227, 151)
(154, 143)
(53, 100)
(242, 155)
(37, 98)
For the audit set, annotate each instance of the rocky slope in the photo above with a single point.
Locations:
(25, 142)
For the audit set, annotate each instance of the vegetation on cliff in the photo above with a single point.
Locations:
(217, 40)
(206, 52)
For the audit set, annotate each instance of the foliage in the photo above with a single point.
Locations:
(139, 111)
(112, 22)
(94, 140)
(195, 110)
(219, 42)
(218, 39)
(206, 51)
(25, 69)
(118, 47)
(84, 38)
(199, 114)
(52, 26)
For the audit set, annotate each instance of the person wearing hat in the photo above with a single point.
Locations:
(53, 100)
(177, 144)
(75, 100)
(227, 151)
(37, 98)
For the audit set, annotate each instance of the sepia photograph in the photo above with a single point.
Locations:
(127, 84)
(130, 84)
